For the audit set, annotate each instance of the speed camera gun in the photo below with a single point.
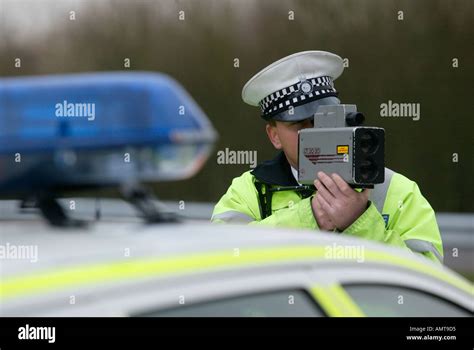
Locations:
(339, 144)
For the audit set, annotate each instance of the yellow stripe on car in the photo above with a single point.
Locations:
(335, 301)
(150, 267)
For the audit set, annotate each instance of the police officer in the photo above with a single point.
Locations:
(289, 92)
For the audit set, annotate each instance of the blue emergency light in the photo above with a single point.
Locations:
(98, 129)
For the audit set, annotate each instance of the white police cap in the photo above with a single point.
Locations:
(293, 87)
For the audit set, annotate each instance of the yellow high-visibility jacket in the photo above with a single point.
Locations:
(397, 214)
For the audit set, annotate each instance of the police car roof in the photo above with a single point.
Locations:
(111, 252)
(107, 240)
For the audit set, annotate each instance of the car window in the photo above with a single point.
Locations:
(382, 300)
(295, 303)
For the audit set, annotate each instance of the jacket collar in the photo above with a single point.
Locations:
(276, 171)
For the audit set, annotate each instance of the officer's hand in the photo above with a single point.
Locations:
(342, 204)
(322, 218)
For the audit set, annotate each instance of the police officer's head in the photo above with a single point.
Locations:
(289, 91)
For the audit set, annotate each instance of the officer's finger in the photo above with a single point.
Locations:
(329, 183)
(321, 213)
(324, 192)
(343, 186)
(319, 209)
(324, 204)
(322, 218)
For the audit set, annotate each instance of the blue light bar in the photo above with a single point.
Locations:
(79, 129)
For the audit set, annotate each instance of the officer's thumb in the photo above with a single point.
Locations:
(366, 192)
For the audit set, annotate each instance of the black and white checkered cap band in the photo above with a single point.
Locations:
(297, 94)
